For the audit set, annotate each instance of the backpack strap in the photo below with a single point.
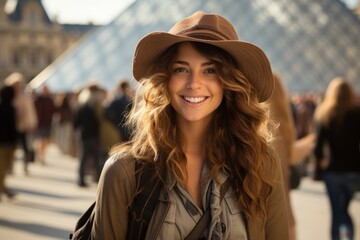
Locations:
(140, 212)
(145, 201)
(84, 225)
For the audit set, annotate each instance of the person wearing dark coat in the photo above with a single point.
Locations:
(8, 136)
(45, 108)
(119, 108)
(86, 123)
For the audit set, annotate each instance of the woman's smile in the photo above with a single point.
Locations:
(194, 100)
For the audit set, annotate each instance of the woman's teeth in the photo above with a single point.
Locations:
(194, 99)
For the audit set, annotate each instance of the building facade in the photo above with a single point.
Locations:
(30, 40)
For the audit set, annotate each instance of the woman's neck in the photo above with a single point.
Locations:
(194, 149)
(194, 137)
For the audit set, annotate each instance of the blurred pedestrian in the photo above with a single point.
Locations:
(119, 107)
(109, 133)
(290, 150)
(338, 121)
(86, 122)
(8, 136)
(64, 114)
(303, 115)
(280, 112)
(45, 108)
(26, 118)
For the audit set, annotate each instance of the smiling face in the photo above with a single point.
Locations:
(194, 86)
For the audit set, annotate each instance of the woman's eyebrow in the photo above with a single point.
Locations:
(181, 62)
(186, 63)
(207, 63)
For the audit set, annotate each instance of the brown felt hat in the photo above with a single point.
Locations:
(215, 30)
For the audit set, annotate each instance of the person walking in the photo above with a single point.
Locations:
(8, 136)
(198, 119)
(109, 132)
(64, 132)
(86, 123)
(119, 107)
(45, 108)
(26, 118)
(337, 119)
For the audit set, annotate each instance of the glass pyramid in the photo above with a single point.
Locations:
(308, 42)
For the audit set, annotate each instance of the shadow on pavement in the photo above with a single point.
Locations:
(37, 229)
(54, 179)
(51, 209)
(41, 194)
(20, 191)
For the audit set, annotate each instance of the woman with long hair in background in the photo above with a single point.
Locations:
(338, 119)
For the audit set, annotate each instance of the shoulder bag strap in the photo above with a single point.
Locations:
(145, 201)
(205, 219)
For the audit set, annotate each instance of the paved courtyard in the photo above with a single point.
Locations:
(49, 202)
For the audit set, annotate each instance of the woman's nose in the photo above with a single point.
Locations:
(194, 81)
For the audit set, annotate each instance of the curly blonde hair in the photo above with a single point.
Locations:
(237, 139)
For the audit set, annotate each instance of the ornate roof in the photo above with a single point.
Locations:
(16, 15)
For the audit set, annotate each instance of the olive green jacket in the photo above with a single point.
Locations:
(117, 187)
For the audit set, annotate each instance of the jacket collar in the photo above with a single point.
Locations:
(171, 180)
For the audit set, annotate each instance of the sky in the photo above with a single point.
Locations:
(83, 11)
(94, 11)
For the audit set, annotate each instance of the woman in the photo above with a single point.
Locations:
(338, 119)
(198, 119)
(284, 143)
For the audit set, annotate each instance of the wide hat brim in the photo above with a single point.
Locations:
(251, 59)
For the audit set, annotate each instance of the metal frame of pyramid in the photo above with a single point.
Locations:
(308, 42)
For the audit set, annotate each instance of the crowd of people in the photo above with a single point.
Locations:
(87, 124)
(194, 150)
(83, 124)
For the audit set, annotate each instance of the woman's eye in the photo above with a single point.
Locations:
(179, 70)
(210, 71)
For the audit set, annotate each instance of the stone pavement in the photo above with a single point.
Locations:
(49, 202)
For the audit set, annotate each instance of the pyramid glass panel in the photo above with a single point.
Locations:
(308, 42)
